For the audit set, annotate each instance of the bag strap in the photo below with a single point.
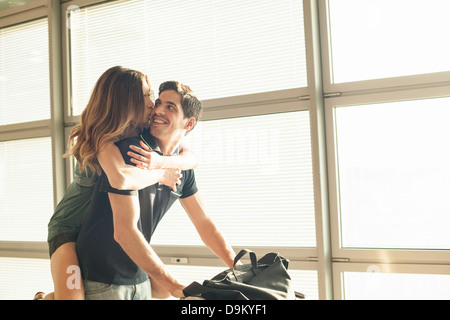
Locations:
(238, 257)
(242, 253)
(194, 289)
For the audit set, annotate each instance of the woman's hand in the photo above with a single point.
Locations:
(144, 158)
(171, 178)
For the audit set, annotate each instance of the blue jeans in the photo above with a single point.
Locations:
(103, 291)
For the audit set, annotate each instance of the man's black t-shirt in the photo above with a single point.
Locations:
(101, 258)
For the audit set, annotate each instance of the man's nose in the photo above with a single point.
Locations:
(158, 109)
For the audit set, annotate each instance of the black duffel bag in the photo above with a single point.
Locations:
(263, 279)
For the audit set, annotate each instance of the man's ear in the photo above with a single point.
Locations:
(190, 124)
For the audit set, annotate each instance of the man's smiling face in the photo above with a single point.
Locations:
(167, 117)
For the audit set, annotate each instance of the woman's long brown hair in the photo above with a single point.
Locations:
(116, 103)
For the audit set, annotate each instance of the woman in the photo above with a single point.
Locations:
(119, 107)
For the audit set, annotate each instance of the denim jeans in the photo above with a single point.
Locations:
(103, 291)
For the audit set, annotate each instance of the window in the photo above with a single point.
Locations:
(26, 177)
(26, 210)
(376, 39)
(386, 74)
(393, 174)
(25, 87)
(24, 73)
(218, 48)
(255, 169)
(395, 286)
(21, 278)
(255, 179)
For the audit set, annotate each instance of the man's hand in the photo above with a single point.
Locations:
(144, 158)
(178, 294)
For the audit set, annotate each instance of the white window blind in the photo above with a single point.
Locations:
(21, 278)
(394, 178)
(26, 189)
(395, 286)
(255, 179)
(375, 39)
(24, 72)
(220, 48)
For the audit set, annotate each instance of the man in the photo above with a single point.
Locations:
(113, 247)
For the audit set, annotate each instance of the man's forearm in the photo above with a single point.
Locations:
(137, 248)
(208, 231)
(126, 214)
(215, 241)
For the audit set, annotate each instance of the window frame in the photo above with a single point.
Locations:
(340, 268)
(227, 103)
(335, 95)
(23, 13)
(374, 255)
(435, 78)
(51, 127)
